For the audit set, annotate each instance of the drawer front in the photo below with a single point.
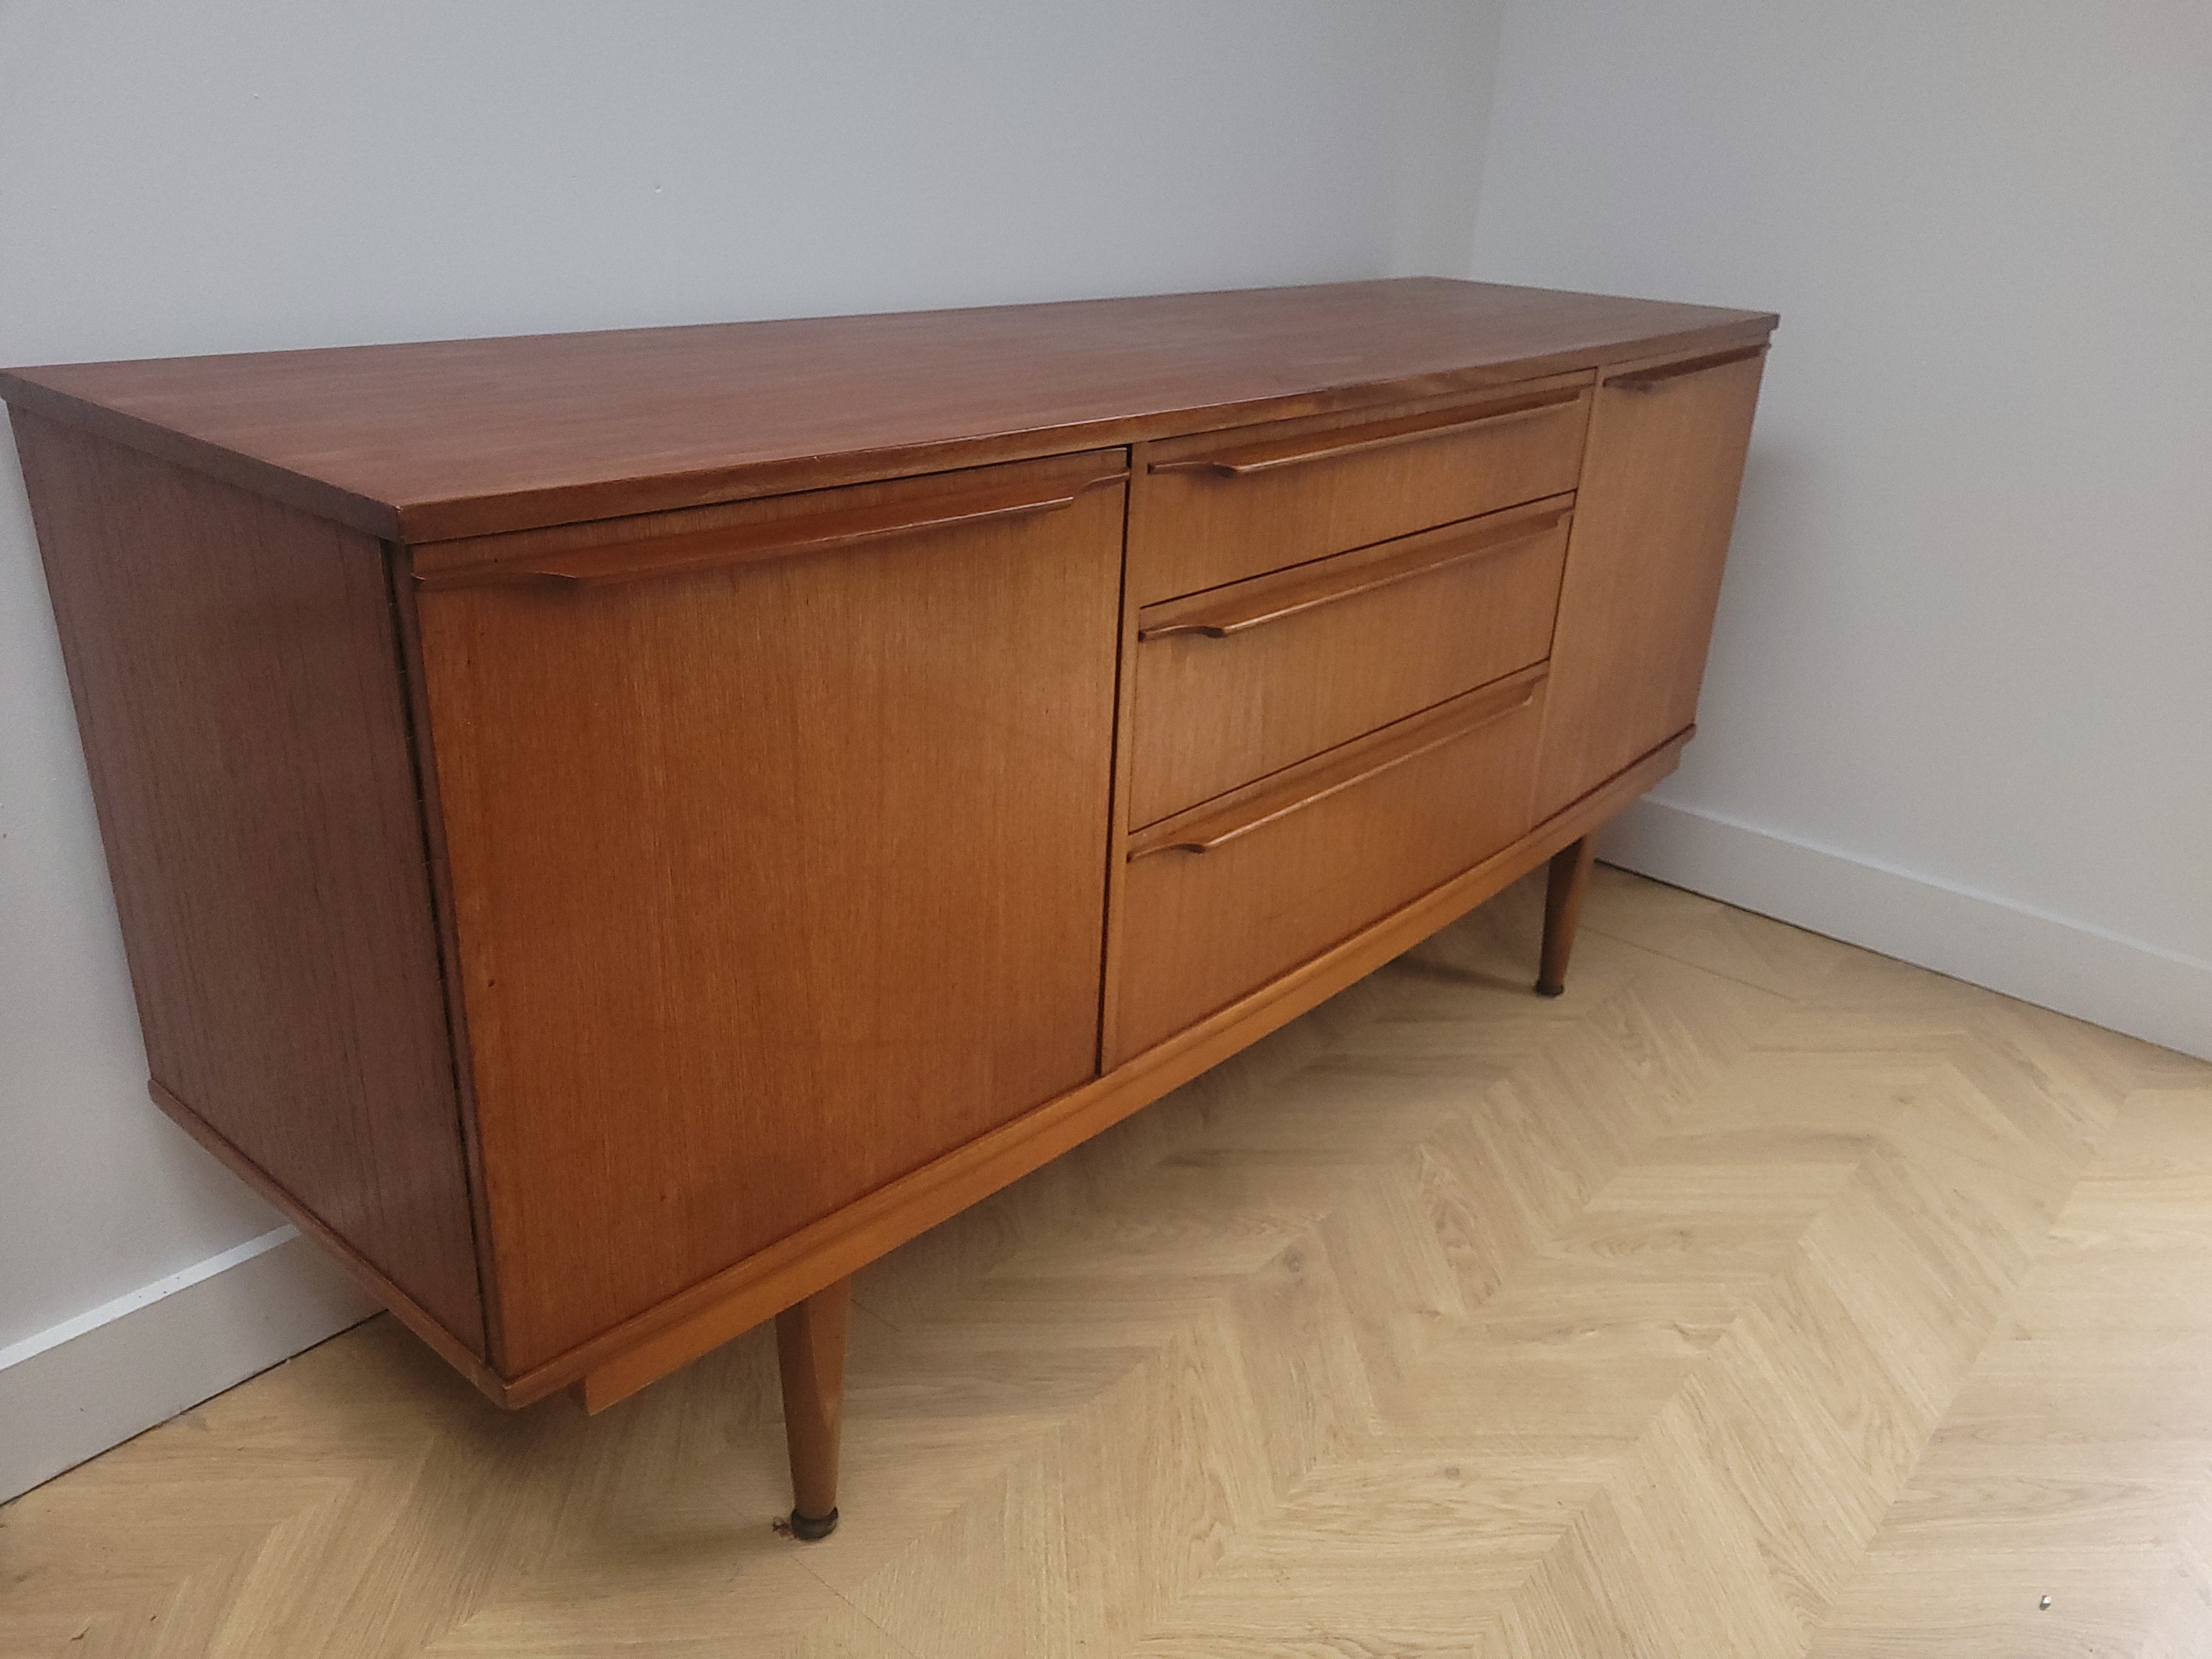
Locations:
(1219, 507)
(1217, 902)
(1240, 682)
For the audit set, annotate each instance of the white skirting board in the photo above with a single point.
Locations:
(2119, 983)
(71, 1392)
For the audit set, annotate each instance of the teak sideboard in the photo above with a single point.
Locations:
(614, 832)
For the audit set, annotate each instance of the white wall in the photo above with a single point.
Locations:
(223, 175)
(1960, 705)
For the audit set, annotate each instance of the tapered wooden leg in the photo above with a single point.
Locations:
(1563, 913)
(809, 1344)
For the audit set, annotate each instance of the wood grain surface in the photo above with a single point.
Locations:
(1199, 526)
(237, 686)
(771, 837)
(619, 1362)
(773, 881)
(1760, 1298)
(1240, 681)
(1230, 894)
(1652, 522)
(466, 1357)
(419, 442)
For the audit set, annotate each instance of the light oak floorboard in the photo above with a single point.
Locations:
(1759, 1297)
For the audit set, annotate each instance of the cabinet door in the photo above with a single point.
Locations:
(1652, 528)
(773, 879)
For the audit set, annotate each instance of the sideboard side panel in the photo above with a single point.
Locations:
(1652, 521)
(236, 676)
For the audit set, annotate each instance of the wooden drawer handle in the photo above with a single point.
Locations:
(1650, 379)
(1205, 834)
(668, 555)
(1248, 459)
(1232, 616)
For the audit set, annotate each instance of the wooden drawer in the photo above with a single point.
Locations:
(1243, 680)
(1218, 900)
(1218, 507)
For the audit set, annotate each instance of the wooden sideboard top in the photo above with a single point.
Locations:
(422, 442)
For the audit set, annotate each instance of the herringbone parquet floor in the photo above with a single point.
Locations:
(1759, 1298)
